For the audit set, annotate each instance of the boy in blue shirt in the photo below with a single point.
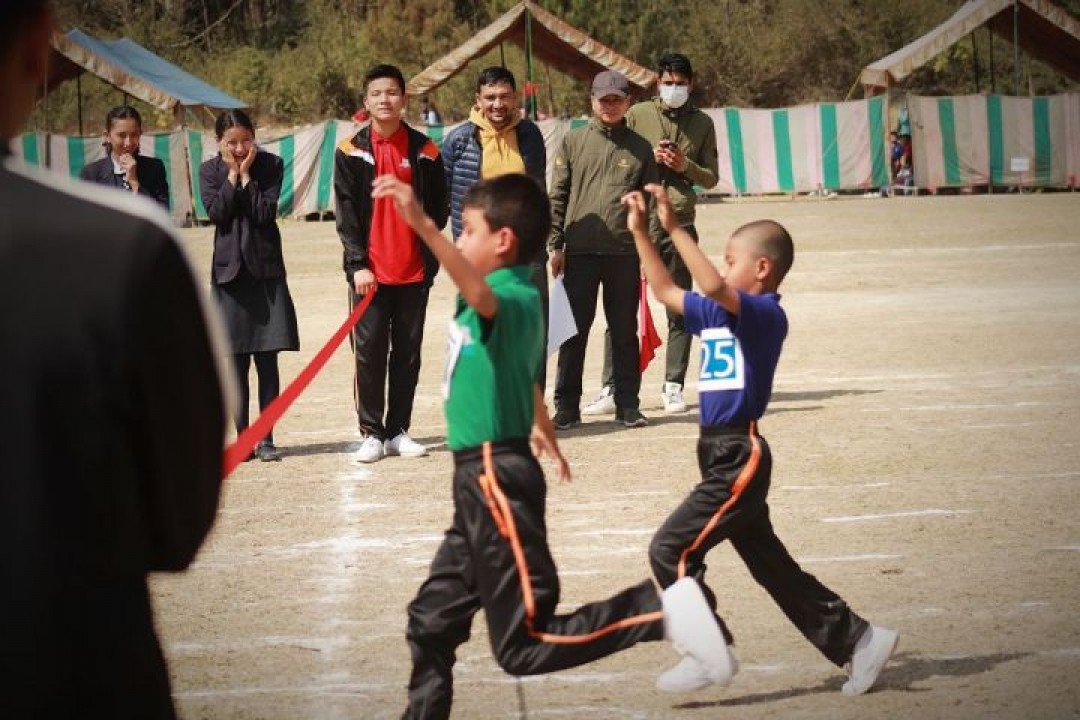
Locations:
(495, 555)
(742, 329)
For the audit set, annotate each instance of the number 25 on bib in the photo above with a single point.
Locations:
(721, 361)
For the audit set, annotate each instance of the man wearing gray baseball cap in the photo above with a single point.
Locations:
(591, 246)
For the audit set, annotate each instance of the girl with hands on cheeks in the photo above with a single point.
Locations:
(240, 189)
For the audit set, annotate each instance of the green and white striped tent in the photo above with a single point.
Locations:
(957, 141)
(308, 155)
(828, 146)
(69, 154)
(994, 139)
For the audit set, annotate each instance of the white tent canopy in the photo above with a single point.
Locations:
(1045, 30)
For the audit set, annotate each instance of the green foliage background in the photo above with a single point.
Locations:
(299, 61)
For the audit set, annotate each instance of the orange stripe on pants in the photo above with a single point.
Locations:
(504, 521)
(737, 489)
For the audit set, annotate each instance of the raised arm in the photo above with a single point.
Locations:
(470, 282)
(663, 287)
(705, 274)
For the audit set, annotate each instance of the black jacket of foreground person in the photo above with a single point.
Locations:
(111, 427)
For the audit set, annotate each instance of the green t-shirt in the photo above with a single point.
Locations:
(491, 365)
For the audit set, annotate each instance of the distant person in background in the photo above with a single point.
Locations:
(592, 248)
(895, 151)
(905, 173)
(123, 166)
(113, 422)
(684, 145)
(429, 114)
(240, 189)
(382, 254)
(496, 141)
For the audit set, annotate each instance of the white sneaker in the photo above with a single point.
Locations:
(692, 628)
(604, 404)
(873, 650)
(405, 446)
(689, 675)
(371, 450)
(673, 399)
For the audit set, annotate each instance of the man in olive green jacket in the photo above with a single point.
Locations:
(591, 245)
(684, 144)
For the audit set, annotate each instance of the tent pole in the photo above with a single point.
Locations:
(1016, 47)
(45, 92)
(993, 79)
(78, 91)
(975, 61)
(551, 91)
(529, 63)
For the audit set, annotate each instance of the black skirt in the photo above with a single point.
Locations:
(259, 314)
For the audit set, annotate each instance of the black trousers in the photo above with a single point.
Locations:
(499, 503)
(677, 355)
(730, 504)
(620, 278)
(266, 369)
(386, 343)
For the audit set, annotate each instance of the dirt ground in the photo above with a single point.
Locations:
(924, 427)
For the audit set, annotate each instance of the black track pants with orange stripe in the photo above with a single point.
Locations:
(495, 556)
(730, 504)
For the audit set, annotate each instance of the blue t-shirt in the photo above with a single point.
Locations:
(739, 354)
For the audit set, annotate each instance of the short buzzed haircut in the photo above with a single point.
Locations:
(675, 63)
(384, 71)
(495, 75)
(773, 241)
(517, 202)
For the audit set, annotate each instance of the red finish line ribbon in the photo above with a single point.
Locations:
(241, 449)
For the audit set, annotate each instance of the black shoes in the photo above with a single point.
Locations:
(630, 417)
(566, 419)
(267, 452)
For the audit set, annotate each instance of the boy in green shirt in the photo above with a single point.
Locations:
(495, 555)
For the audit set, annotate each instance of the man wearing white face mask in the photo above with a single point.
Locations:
(684, 144)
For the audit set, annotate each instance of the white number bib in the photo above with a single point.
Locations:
(456, 338)
(721, 361)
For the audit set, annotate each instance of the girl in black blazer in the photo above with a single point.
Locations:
(240, 190)
(123, 167)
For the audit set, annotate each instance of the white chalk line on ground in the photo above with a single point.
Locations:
(353, 689)
(599, 712)
(958, 406)
(941, 250)
(293, 508)
(269, 641)
(613, 532)
(888, 516)
(847, 558)
(1066, 548)
(796, 381)
(830, 487)
(1072, 652)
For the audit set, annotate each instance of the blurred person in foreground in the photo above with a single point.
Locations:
(111, 425)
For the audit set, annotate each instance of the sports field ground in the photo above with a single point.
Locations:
(924, 426)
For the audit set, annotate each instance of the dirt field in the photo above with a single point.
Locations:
(927, 460)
